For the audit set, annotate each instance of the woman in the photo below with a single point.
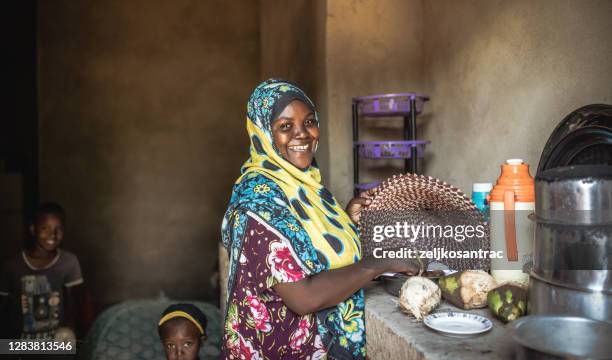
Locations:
(296, 273)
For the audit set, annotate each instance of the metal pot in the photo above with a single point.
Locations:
(393, 284)
(582, 137)
(546, 298)
(559, 337)
(573, 247)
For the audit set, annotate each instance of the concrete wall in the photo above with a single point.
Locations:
(337, 50)
(142, 107)
(502, 74)
(289, 41)
(372, 47)
(293, 37)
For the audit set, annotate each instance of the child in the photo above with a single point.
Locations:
(40, 282)
(182, 330)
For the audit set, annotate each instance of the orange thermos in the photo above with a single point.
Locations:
(512, 200)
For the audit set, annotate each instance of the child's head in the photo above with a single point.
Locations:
(47, 226)
(182, 330)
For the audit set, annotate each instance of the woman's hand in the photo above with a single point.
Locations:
(406, 266)
(354, 207)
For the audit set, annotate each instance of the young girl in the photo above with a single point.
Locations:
(182, 330)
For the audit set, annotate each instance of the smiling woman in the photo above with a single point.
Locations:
(296, 134)
(296, 268)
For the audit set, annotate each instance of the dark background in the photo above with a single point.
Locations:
(19, 125)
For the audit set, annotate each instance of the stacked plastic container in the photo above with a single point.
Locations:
(403, 105)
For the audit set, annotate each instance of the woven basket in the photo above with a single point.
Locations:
(425, 201)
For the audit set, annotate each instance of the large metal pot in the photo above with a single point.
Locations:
(546, 298)
(560, 337)
(573, 246)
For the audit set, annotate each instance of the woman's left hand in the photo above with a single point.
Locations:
(354, 207)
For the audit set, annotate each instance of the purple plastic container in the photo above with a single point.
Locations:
(390, 104)
(390, 149)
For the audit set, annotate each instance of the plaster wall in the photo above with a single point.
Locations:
(293, 35)
(337, 50)
(502, 74)
(372, 47)
(140, 106)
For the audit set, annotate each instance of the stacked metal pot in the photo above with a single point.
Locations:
(573, 246)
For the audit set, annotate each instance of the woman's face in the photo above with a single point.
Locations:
(295, 133)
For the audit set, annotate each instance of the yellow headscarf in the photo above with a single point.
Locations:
(330, 229)
(331, 232)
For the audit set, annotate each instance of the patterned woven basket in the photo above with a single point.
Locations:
(425, 201)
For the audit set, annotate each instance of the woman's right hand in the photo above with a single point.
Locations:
(407, 266)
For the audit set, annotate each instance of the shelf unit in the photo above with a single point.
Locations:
(404, 105)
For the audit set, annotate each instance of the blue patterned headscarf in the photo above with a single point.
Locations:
(295, 203)
(269, 99)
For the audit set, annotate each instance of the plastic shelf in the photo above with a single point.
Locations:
(391, 149)
(389, 104)
(367, 186)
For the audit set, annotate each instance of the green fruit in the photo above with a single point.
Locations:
(523, 306)
(510, 313)
(450, 284)
(513, 305)
(494, 300)
(509, 296)
(467, 289)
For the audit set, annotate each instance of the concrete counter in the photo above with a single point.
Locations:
(393, 335)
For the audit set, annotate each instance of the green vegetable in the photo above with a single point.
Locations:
(467, 289)
(508, 302)
(494, 300)
(450, 284)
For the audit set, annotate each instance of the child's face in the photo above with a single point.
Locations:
(48, 232)
(181, 339)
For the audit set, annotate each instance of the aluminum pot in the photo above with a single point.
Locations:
(553, 299)
(561, 337)
(573, 245)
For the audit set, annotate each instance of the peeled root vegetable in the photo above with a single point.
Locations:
(419, 296)
(508, 302)
(467, 289)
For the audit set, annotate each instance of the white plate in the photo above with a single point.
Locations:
(458, 324)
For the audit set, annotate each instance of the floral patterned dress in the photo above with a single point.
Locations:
(258, 325)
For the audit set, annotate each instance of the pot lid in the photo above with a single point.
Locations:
(583, 137)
